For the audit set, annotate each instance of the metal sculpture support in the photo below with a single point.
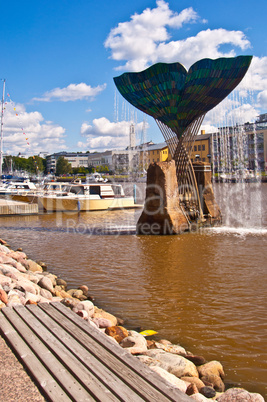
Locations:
(181, 150)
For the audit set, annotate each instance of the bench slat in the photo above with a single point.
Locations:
(66, 381)
(81, 362)
(50, 388)
(136, 367)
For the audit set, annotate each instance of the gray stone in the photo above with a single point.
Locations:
(208, 392)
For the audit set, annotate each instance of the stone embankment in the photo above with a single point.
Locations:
(24, 281)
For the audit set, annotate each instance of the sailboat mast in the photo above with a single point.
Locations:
(1, 137)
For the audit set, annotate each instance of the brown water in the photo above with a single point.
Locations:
(206, 290)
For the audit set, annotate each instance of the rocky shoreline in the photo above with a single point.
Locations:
(24, 281)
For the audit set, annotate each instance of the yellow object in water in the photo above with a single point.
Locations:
(148, 332)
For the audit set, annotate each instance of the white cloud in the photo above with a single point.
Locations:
(145, 40)
(233, 110)
(103, 134)
(28, 132)
(262, 99)
(72, 92)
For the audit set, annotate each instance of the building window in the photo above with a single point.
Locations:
(203, 147)
(195, 148)
(203, 159)
(199, 147)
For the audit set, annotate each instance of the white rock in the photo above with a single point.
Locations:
(134, 343)
(173, 363)
(46, 283)
(180, 384)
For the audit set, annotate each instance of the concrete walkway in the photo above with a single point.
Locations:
(15, 384)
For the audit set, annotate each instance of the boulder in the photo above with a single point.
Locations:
(83, 314)
(52, 277)
(46, 283)
(165, 342)
(42, 264)
(135, 343)
(4, 280)
(175, 349)
(61, 293)
(208, 392)
(33, 266)
(117, 332)
(17, 255)
(32, 297)
(27, 286)
(71, 291)
(4, 259)
(84, 289)
(174, 364)
(4, 248)
(102, 322)
(213, 367)
(3, 296)
(14, 300)
(239, 395)
(70, 302)
(194, 380)
(197, 360)
(77, 293)
(61, 282)
(46, 294)
(181, 385)
(86, 305)
(191, 389)
(215, 381)
(99, 313)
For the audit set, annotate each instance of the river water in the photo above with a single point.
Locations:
(206, 290)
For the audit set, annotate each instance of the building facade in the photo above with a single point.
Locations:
(234, 148)
(75, 159)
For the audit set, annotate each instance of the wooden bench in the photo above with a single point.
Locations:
(72, 361)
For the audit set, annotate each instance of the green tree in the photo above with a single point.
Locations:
(36, 164)
(63, 166)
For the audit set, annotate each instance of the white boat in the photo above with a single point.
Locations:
(95, 178)
(87, 197)
(12, 188)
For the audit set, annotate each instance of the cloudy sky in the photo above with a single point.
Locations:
(59, 59)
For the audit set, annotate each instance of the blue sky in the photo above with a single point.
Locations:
(59, 59)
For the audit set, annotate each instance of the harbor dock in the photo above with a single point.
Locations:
(10, 207)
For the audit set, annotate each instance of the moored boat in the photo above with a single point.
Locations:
(87, 197)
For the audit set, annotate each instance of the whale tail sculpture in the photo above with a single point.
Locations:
(178, 100)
